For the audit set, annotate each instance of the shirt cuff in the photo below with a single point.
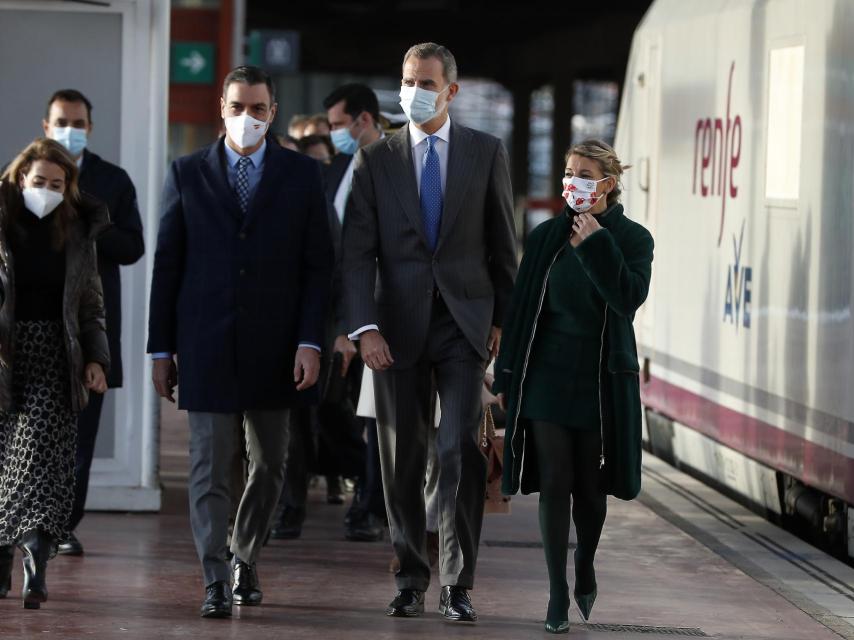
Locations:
(161, 355)
(368, 327)
(310, 345)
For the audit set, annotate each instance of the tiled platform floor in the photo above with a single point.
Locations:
(140, 579)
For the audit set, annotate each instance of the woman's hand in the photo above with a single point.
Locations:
(94, 378)
(584, 225)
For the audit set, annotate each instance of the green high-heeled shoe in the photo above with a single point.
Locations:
(558, 625)
(585, 601)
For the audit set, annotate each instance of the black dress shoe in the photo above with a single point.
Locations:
(288, 525)
(455, 605)
(245, 591)
(217, 602)
(408, 603)
(363, 529)
(70, 546)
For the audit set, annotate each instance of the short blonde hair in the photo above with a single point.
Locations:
(605, 156)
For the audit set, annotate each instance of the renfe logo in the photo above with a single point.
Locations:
(716, 155)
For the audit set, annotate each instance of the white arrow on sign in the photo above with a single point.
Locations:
(195, 62)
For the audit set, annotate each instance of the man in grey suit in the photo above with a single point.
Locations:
(429, 261)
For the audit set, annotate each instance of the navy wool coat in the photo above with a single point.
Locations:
(232, 294)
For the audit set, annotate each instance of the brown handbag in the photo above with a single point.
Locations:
(492, 445)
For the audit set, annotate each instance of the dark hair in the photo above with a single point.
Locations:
(309, 141)
(69, 95)
(432, 50)
(357, 98)
(10, 184)
(249, 75)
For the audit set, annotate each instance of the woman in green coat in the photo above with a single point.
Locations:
(568, 369)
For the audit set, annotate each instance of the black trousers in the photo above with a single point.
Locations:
(87, 434)
(404, 399)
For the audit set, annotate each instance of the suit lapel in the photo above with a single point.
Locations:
(402, 177)
(213, 171)
(460, 166)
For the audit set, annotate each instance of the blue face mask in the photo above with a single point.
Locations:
(420, 105)
(344, 141)
(72, 139)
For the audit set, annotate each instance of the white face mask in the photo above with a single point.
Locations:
(580, 193)
(244, 130)
(41, 201)
(419, 104)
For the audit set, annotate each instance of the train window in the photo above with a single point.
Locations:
(785, 110)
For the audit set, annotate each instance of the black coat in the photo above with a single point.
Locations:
(121, 244)
(332, 176)
(234, 295)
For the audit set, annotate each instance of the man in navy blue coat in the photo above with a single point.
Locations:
(241, 281)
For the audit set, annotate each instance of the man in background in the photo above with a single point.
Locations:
(68, 120)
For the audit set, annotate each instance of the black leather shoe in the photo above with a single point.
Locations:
(455, 605)
(217, 602)
(363, 529)
(288, 525)
(70, 546)
(7, 556)
(35, 548)
(245, 591)
(408, 603)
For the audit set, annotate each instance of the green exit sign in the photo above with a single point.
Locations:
(192, 63)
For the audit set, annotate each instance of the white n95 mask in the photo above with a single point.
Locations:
(41, 201)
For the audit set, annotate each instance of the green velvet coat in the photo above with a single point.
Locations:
(618, 260)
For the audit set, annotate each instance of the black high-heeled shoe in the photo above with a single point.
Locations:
(584, 601)
(35, 546)
(7, 556)
(558, 623)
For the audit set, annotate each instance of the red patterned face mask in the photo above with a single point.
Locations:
(580, 193)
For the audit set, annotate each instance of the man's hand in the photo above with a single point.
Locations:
(347, 349)
(94, 378)
(494, 342)
(375, 351)
(502, 403)
(583, 226)
(164, 373)
(306, 367)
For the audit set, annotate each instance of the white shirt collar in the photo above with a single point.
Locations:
(417, 136)
(257, 158)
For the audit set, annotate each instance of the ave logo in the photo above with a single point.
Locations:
(739, 287)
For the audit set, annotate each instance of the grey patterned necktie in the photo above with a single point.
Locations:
(241, 184)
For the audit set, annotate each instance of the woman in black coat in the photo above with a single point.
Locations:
(53, 351)
(568, 369)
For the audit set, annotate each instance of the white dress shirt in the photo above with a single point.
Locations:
(418, 142)
(343, 191)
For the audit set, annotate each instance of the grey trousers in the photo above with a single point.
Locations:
(212, 447)
(404, 418)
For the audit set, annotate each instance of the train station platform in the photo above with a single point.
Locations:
(681, 561)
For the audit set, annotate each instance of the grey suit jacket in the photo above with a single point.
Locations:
(388, 270)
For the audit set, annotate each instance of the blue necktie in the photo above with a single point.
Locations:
(241, 184)
(431, 193)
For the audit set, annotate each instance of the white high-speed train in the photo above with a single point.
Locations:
(738, 116)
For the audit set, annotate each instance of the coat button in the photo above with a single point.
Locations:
(242, 272)
(242, 235)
